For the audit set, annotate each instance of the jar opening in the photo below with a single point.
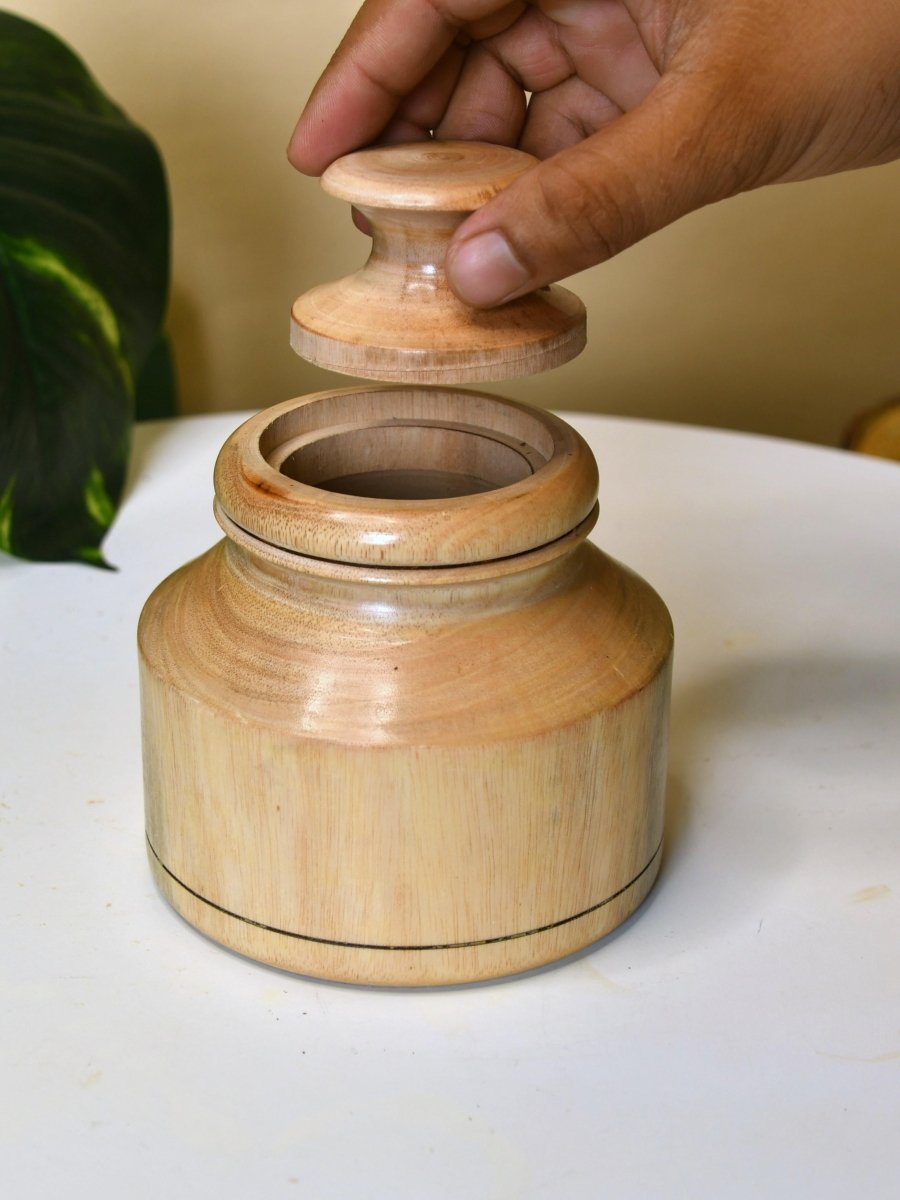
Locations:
(411, 461)
(404, 476)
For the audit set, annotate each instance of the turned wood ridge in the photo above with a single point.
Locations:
(397, 319)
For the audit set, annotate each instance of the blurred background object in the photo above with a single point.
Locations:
(84, 276)
(877, 431)
(776, 312)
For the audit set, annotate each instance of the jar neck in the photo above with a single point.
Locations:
(409, 249)
(439, 595)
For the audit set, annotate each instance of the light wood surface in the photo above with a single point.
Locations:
(407, 774)
(396, 318)
(282, 476)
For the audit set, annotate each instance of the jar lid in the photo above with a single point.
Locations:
(406, 477)
(397, 317)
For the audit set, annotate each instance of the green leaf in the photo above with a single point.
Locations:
(84, 267)
(6, 516)
(156, 389)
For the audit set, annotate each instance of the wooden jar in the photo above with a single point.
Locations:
(405, 724)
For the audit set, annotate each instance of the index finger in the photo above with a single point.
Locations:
(388, 50)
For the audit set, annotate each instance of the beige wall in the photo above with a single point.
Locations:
(778, 311)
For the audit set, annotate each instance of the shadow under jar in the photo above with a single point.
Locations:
(405, 724)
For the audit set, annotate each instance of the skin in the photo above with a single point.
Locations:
(641, 111)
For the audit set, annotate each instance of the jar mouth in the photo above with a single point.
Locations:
(407, 460)
(406, 476)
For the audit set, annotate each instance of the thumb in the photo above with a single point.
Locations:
(674, 153)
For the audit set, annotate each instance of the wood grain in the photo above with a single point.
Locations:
(541, 476)
(396, 318)
(409, 774)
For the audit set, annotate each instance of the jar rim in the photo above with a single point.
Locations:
(465, 477)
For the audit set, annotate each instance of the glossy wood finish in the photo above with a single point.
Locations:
(408, 773)
(283, 476)
(397, 319)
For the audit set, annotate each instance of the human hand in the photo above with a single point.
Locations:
(641, 110)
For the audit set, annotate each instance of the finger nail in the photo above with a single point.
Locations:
(483, 270)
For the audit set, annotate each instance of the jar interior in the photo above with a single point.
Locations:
(410, 460)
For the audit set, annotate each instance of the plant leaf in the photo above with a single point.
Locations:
(156, 390)
(84, 262)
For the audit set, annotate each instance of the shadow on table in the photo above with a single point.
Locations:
(765, 714)
(758, 750)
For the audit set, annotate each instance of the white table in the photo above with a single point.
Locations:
(738, 1037)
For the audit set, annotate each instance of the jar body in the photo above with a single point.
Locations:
(401, 777)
